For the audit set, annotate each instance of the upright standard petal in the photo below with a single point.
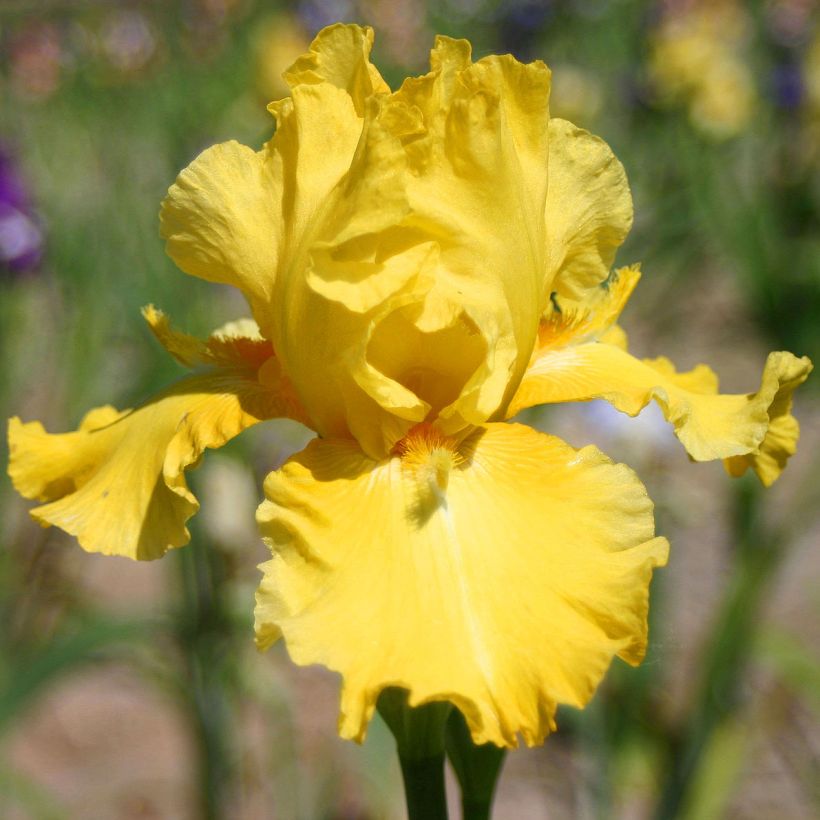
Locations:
(408, 260)
(588, 210)
(223, 222)
(756, 427)
(117, 483)
(490, 574)
(239, 216)
(478, 187)
(341, 255)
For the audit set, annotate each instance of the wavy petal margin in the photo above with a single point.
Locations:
(780, 442)
(756, 427)
(588, 211)
(490, 574)
(222, 221)
(117, 483)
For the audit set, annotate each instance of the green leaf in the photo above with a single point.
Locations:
(24, 678)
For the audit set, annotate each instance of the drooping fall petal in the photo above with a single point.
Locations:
(708, 424)
(502, 574)
(780, 441)
(117, 483)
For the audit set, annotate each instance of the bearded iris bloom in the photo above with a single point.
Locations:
(420, 265)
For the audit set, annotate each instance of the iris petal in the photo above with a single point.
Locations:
(588, 210)
(117, 483)
(222, 223)
(490, 573)
(756, 426)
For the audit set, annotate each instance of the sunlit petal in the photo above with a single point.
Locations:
(223, 223)
(588, 210)
(567, 321)
(117, 483)
(503, 573)
(709, 425)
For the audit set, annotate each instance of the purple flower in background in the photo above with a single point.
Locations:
(21, 241)
(788, 86)
(520, 25)
(316, 14)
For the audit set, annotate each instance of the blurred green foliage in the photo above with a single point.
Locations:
(101, 104)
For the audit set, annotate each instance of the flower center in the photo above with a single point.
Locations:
(435, 364)
(429, 457)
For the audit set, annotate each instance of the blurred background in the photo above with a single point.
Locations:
(134, 690)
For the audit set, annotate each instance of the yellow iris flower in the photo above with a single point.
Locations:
(698, 55)
(421, 265)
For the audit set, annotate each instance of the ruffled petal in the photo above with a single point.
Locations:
(502, 574)
(478, 186)
(340, 55)
(405, 261)
(222, 221)
(344, 258)
(709, 425)
(357, 268)
(566, 321)
(318, 130)
(117, 483)
(588, 211)
(780, 441)
(239, 216)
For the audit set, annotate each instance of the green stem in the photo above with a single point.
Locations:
(424, 788)
(477, 768)
(419, 734)
(202, 634)
(476, 809)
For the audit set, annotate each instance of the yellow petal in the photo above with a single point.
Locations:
(588, 211)
(318, 131)
(479, 187)
(567, 321)
(344, 257)
(709, 425)
(117, 483)
(222, 221)
(339, 55)
(408, 297)
(780, 442)
(502, 574)
(326, 255)
(239, 216)
(237, 343)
